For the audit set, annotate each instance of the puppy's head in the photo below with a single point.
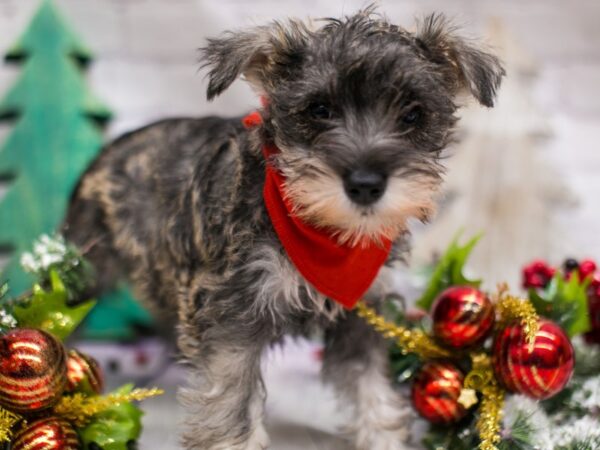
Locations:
(361, 110)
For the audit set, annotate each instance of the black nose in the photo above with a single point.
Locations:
(364, 186)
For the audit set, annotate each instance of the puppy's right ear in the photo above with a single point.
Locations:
(480, 72)
(254, 53)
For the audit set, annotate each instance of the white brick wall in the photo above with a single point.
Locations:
(146, 68)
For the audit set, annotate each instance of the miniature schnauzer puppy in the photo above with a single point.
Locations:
(361, 110)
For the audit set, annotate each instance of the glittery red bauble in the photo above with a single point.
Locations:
(50, 433)
(537, 274)
(83, 374)
(540, 370)
(462, 316)
(436, 390)
(33, 370)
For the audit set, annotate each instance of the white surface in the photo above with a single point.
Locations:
(301, 412)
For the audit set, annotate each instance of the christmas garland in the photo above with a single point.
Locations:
(495, 371)
(47, 393)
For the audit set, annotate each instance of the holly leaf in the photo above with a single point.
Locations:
(114, 428)
(565, 302)
(48, 310)
(449, 272)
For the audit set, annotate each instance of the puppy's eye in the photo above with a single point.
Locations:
(319, 111)
(412, 116)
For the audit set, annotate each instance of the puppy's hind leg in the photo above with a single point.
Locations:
(356, 362)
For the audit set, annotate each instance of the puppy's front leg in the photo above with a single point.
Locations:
(225, 395)
(356, 362)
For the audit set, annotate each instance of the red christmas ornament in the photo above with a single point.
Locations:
(435, 393)
(538, 274)
(462, 316)
(83, 374)
(33, 370)
(539, 370)
(49, 433)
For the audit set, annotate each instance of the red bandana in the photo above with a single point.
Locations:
(341, 272)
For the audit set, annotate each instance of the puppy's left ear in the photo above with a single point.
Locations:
(261, 54)
(478, 71)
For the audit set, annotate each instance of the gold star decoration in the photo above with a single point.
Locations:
(467, 397)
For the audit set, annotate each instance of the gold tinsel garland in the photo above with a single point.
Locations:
(77, 409)
(409, 341)
(482, 379)
(80, 409)
(7, 421)
(514, 309)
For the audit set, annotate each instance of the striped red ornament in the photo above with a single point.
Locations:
(50, 433)
(83, 374)
(33, 370)
(436, 391)
(539, 370)
(462, 316)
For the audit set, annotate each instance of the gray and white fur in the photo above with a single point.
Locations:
(361, 110)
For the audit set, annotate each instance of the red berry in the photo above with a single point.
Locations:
(537, 274)
(587, 267)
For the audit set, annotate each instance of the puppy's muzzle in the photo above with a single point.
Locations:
(365, 186)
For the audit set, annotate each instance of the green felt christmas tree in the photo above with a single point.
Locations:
(56, 134)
